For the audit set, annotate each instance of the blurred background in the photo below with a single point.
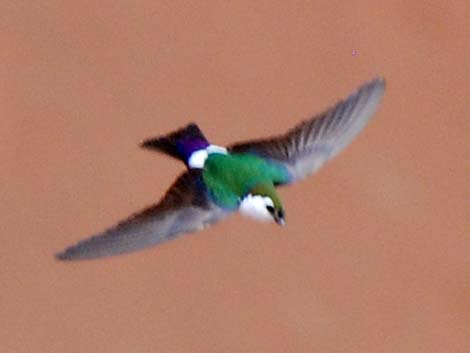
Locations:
(375, 255)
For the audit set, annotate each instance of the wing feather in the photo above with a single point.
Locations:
(185, 208)
(306, 147)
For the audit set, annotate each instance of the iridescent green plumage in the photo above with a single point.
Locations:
(229, 177)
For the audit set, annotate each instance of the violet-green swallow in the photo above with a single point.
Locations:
(242, 177)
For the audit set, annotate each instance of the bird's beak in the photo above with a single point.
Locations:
(281, 221)
(279, 218)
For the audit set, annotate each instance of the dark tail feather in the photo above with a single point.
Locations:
(179, 144)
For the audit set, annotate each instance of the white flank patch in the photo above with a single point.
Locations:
(254, 206)
(198, 158)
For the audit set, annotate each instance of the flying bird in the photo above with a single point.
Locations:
(243, 177)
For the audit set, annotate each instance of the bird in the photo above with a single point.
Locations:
(242, 177)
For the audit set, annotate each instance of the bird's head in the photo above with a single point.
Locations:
(262, 203)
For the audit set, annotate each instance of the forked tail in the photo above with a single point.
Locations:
(179, 144)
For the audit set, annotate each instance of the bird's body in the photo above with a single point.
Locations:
(229, 177)
(243, 177)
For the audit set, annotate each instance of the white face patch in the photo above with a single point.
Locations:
(198, 158)
(254, 206)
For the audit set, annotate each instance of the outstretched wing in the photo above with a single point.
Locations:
(185, 208)
(310, 144)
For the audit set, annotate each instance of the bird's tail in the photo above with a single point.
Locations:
(179, 144)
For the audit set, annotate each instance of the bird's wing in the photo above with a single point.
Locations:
(310, 144)
(185, 208)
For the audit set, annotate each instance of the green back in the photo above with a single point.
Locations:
(229, 177)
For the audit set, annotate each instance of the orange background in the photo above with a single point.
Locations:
(376, 253)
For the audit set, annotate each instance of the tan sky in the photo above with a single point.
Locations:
(375, 256)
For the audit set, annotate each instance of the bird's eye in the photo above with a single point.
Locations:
(270, 209)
